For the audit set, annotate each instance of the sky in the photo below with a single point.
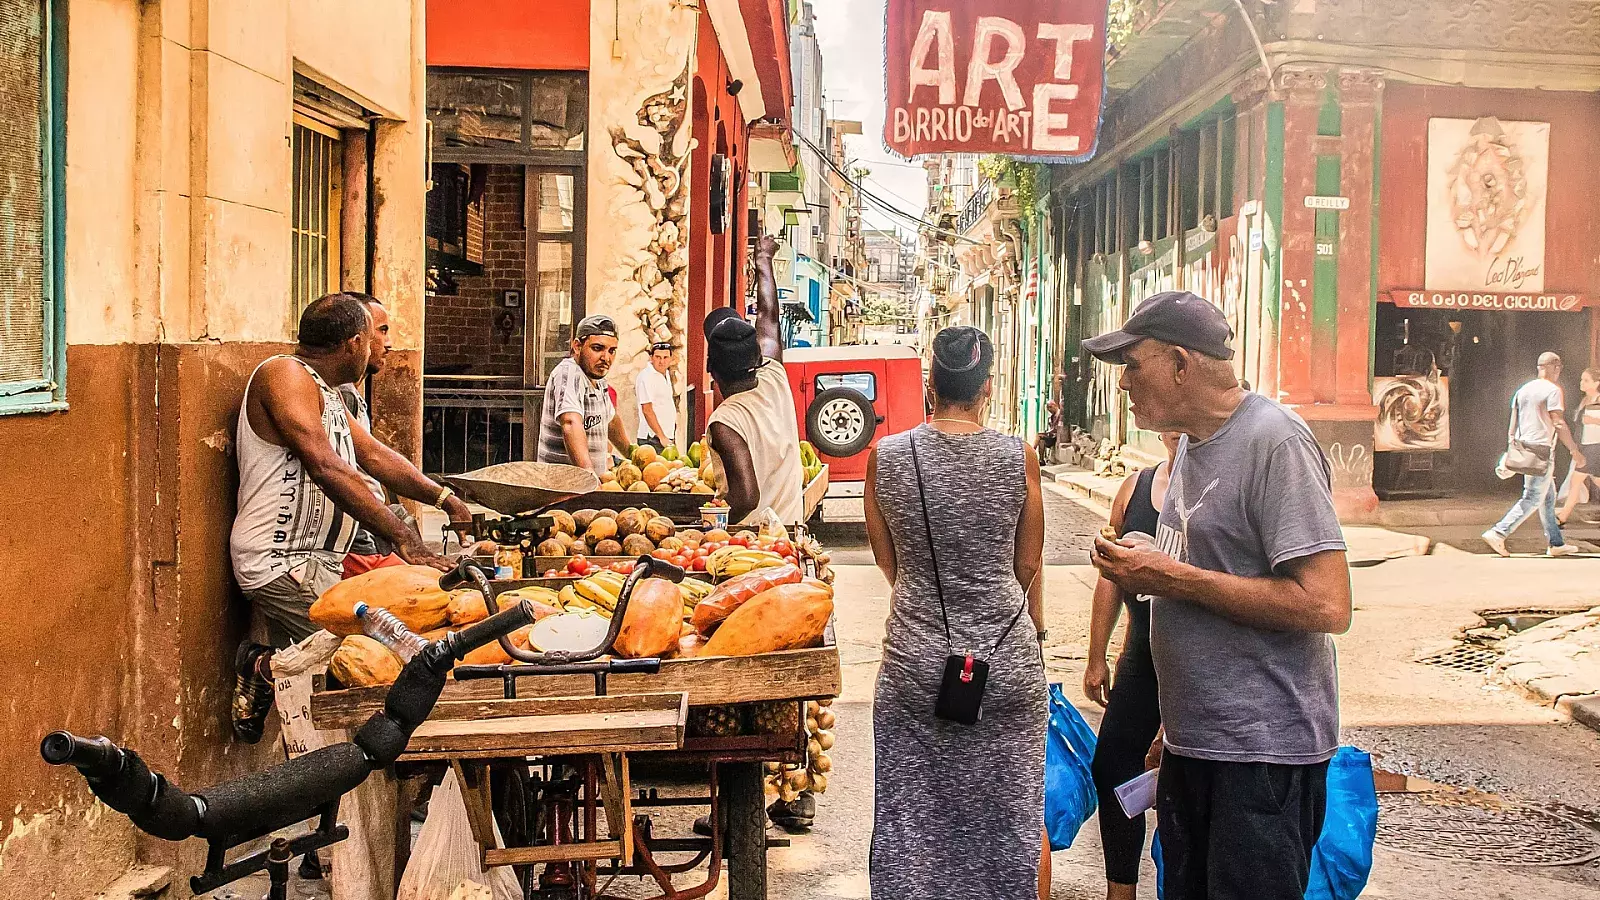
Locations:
(850, 33)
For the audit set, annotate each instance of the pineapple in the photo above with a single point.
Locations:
(776, 717)
(714, 721)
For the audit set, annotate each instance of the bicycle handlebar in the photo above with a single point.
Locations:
(262, 802)
(258, 804)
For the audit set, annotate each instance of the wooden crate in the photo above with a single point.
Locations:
(712, 681)
(492, 729)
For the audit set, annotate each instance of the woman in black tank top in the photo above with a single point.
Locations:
(1133, 715)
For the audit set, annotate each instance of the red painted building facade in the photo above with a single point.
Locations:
(1395, 243)
(585, 160)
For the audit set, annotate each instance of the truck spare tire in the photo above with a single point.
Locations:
(841, 422)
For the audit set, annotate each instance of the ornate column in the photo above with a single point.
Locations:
(1359, 94)
(1258, 344)
(1303, 94)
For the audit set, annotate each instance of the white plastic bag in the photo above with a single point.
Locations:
(446, 859)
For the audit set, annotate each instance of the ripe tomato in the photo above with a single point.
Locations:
(739, 541)
(702, 553)
(552, 573)
(662, 554)
(691, 545)
(579, 566)
(783, 548)
(680, 561)
(698, 564)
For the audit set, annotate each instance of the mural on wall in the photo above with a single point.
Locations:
(1487, 186)
(658, 172)
(639, 114)
(1413, 413)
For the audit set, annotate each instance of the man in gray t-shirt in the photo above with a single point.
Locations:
(1249, 582)
(578, 418)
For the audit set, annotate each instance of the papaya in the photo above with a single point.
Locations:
(653, 622)
(465, 608)
(735, 592)
(410, 592)
(787, 617)
(361, 661)
(492, 654)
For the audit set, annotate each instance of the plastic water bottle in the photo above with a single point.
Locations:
(383, 627)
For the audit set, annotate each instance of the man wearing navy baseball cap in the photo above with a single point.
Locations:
(1248, 584)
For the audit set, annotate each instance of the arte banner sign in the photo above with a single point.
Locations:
(1024, 78)
(1491, 302)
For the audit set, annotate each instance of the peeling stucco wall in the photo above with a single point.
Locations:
(638, 179)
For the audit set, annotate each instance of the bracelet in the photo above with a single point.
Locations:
(444, 495)
(1044, 635)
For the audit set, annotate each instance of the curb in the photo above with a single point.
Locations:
(1584, 710)
(1556, 692)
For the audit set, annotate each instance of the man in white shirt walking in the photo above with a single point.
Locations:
(1537, 421)
(658, 407)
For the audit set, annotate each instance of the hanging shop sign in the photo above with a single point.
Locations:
(1019, 77)
(1489, 301)
(1488, 183)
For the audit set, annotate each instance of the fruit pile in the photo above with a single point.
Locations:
(812, 775)
(810, 461)
(643, 532)
(667, 472)
(605, 532)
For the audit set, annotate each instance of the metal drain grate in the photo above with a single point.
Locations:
(1468, 658)
(1483, 829)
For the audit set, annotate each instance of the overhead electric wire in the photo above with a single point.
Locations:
(881, 203)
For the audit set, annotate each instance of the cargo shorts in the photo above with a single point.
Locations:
(286, 601)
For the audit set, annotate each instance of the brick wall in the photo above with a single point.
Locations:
(463, 331)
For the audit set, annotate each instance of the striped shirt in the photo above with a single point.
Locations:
(571, 391)
(285, 520)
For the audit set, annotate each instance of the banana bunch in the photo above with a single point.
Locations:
(694, 590)
(810, 461)
(598, 592)
(731, 562)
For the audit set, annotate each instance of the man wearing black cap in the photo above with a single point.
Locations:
(755, 441)
(1248, 586)
(578, 416)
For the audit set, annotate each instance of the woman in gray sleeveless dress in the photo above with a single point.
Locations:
(959, 809)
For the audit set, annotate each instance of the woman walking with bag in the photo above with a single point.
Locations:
(1586, 426)
(1133, 712)
(956, 523)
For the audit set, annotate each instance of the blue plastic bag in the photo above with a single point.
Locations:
(1069, 794)
(1342, 860)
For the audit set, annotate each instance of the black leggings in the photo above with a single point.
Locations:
(1131, 722)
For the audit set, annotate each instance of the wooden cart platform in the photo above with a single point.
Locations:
(708, 681)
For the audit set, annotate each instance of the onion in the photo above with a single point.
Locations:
(825, 740)
(825, 719)
(821, 764)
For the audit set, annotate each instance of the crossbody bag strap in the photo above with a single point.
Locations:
(933, 555)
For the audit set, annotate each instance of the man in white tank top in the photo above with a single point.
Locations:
(302, 495)
(755, 441)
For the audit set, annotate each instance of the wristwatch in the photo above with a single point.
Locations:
(1044, 635)
(444, 495)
